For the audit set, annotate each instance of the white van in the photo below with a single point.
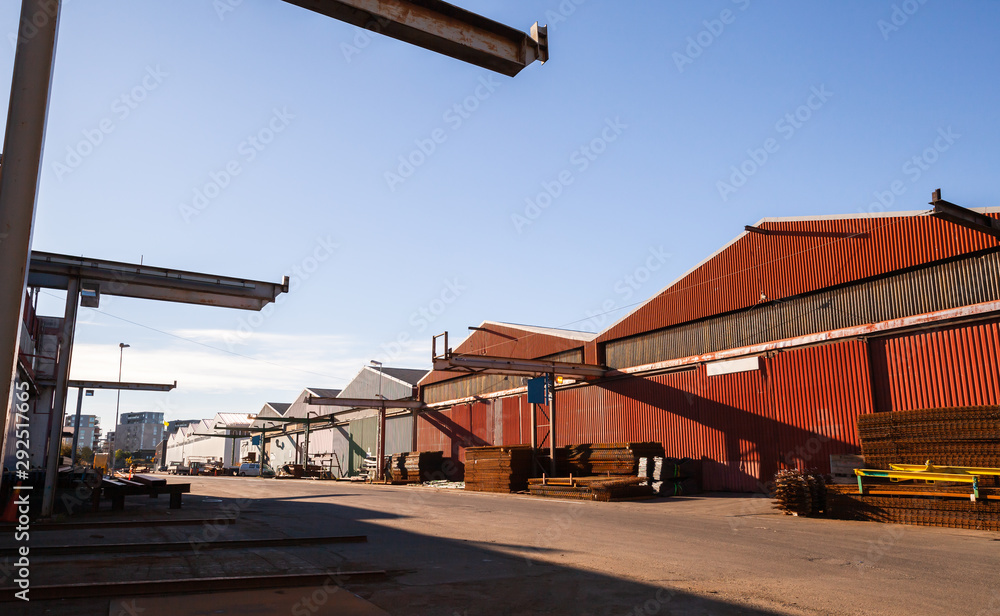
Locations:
(252, 469)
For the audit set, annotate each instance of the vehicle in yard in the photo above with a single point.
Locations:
(253, 469)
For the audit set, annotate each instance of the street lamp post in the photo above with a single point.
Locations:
(380, 447)
(121, 353)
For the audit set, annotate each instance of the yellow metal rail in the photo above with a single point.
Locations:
(919, 475)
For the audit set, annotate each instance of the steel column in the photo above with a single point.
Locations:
(22, 157)
(552, 424)
(63, 362)
(76, 424)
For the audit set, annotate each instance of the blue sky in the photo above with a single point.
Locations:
(624, 137)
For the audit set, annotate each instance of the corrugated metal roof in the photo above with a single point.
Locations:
(278, 408)
(407, 375)
(514, 341)
(233, 420)
(792, 256)
(323, 392)
(571, 334)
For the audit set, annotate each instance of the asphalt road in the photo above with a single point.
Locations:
(459, 553)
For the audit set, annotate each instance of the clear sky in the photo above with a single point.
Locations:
(545, 199)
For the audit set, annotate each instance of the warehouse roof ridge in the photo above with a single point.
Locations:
(739, 262)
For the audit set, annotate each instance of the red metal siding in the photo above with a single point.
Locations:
(818, 394)
(797, 257)
(800, 407)
(955, 366)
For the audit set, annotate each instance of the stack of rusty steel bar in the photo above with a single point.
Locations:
(497, 469)
(956, 442)
(967, 436)
(604, 489)
(798, 493)
(950, 506)
(415, 466)
(609, 458)
(670, 476)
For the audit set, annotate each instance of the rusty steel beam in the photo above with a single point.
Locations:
(365, 403)
(174, 546)
(34, 54)
(123, 386)
(502, 365)
(964, 217)
(90, 589)
(442, 28)
(54, 271)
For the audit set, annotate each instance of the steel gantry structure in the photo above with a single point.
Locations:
(431, 24)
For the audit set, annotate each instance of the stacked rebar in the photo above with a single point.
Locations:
(608, 458)
(604, 489)
(906, 505)
(967, 436)
(670, 476)
(415, 466)
(497, 469)
(798, 493)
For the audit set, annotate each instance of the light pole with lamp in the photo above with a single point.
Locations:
(380, 447)
(121, 353)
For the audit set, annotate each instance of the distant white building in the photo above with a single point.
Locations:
(219, 439)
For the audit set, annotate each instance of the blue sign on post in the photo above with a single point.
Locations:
(536, 390)
(255, 441)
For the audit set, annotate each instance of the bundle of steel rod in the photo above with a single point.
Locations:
(670, 476)
(922, 505)
(609, 458)
(415, 466)
(798, 493)
(497, 469)
(604, 489)
(968, 436)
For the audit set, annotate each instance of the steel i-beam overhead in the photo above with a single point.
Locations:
(365, 403)
(54, 271)
(964, 217)
(443, 28)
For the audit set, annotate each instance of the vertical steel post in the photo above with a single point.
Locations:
(65, 358)
(413, 432)
(19, 174)
(305, 454)
(552, 423)
(534, 439)
(76, 424)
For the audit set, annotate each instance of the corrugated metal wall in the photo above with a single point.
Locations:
(796, 410)
(949, 285)
(954, 366)
(363, 433)
(796, 257)
(398, 434)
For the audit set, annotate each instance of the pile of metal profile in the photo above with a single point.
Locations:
(604, 489)
(968, 436)
(798, 493)
(949, 496)
(497, 469)
(670, 476)
(415, 466)
(609, 458)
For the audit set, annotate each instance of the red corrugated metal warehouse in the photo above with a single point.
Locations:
(763, 355)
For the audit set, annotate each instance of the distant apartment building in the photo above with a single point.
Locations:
(89, 430)
(140, 432)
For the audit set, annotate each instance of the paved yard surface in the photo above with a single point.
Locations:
(450, 553)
